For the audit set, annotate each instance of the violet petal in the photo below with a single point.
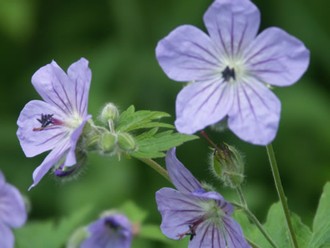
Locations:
(201, 104)
(233, 24)
(36, 142)
(187, 54)
(256, 113)
(182, 178)
(277, 58)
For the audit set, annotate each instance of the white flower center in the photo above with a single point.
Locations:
(74, 121)
(233, 69)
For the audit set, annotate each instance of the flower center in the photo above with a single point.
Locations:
(233, 69)
(47, 121)
(74, 121)
(228, 73)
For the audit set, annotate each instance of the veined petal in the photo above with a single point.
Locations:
(255, 114)
(81, 75)
(201, 104)
(55, 87)
(36, 142)
(71, 156)
(228, 234)
(188, 54)
(7, 237)
(178, 210)
(182, 178)
(103, 235)
(12, 208)
(233, 233)
(232, 24)
(52, 158)
(277, 58)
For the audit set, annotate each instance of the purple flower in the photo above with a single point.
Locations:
(230, 71)
(57, 122)
(12, 212)
(191, 211)
(110, 231)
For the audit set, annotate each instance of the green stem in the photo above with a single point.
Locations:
(253, 218)
(280, 192)
(157, 167)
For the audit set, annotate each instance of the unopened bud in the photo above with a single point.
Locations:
(126, 142)
(107, 142)
(68, 172)
(228, 165)
(109, 113)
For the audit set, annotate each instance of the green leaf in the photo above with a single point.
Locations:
(155, 146)
(130, 120)
(36, 233)
(276, 227)
(250, 230)
(321, 223)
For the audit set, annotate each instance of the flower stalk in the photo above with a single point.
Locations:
(281, 194)
(157, 167)
(252, 217)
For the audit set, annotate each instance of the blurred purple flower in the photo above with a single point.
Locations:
(57, 122)
(110, 231)
(191, 211)
(231, 70)
(12, 212)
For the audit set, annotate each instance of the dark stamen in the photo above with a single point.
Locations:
(46, 120)
(112, 224)
(228, 73)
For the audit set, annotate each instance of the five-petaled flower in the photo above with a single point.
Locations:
(12, 212)
(111, 230)
(57, 122)
(230, 71)
(192, 211)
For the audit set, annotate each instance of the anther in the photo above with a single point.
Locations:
(45, 121)
(228, 73)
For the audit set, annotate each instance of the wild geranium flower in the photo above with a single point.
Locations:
(12, 212)
(110, 231)
(205, 217)
(230, 71)
(55, 123)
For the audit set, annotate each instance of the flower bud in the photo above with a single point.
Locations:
(68, 172)
(126, 142)
(107, 142)
(109, 113)
(228, 166)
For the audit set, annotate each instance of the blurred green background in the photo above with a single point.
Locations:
(118, 37)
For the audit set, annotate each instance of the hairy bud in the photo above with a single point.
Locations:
(228, 166)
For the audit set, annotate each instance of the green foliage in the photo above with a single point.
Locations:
(41, 234)
(144, 126)
(131, 120)
(321, 223)
(276, 226)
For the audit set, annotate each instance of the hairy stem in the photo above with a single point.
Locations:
(253, 218)
(280, 192)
